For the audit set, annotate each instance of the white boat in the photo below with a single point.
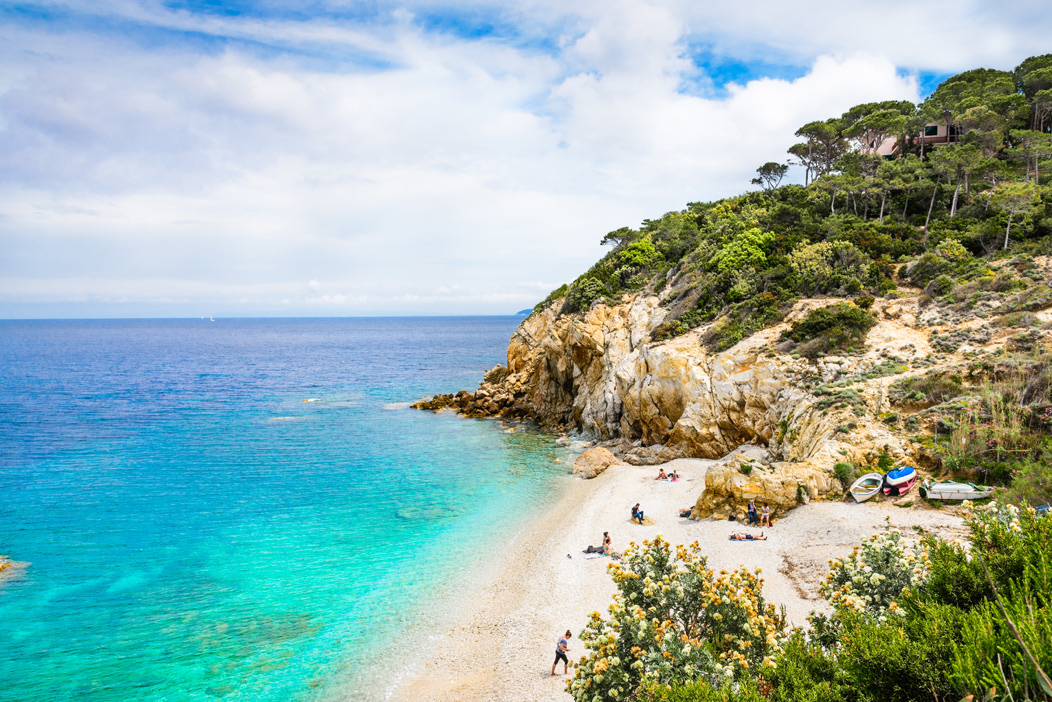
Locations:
(867, 486)
(951, 490)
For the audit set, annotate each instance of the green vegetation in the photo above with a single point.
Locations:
(967, 179)
(839, 327)
(674, 620)
(928, 390)
(912, 620)
(951, 201)
(1007, 429)
(845, 472)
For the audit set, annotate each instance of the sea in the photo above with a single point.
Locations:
(247, 509)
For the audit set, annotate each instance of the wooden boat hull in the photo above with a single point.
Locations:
(866, 487)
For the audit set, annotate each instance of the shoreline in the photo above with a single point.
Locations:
(502, 645)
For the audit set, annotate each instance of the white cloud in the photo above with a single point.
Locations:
(430, 185)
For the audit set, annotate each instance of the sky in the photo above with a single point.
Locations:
(342, 158)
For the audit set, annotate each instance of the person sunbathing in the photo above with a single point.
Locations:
(662, 475)
(738, 536)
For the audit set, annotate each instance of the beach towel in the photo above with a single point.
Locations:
(590, 556)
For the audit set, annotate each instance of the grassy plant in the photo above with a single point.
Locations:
(930, 389)
(845, 472)
(1008, 425)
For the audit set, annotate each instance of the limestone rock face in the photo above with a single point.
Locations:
(599, 373)
(749, 474)
(593, 462)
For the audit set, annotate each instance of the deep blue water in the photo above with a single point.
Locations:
(197, 531)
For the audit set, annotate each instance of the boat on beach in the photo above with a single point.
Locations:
(867, 486)
(899, 481)
(953, 490)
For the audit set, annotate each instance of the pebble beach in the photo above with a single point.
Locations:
(503, 645)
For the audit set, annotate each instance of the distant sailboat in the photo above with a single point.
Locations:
(211, 319)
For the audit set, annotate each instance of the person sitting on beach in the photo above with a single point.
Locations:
(606, 543)
(738, 536)
(674, 477)
(561, 649)
(661, 475)
(637, 513)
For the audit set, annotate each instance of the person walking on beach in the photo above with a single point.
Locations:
(752, 513)
(765, 516)
(561, 649)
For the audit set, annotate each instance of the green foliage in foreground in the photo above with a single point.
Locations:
(965, 621)
(672, 620)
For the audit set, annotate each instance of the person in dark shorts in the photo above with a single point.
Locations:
(561, 649)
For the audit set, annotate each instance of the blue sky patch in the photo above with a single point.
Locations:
(717, 71)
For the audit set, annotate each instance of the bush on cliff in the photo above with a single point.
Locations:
(582, 294)
(837, 327)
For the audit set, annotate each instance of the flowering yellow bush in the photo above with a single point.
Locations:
(876, 573)
(674, 621)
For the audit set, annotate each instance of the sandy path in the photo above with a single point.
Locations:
(504, 646)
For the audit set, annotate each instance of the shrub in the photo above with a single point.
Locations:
(1009, 425)
(864, 302)
(842, 326)
(1031, 480)
(949, 259)
(930, 389)
(871, 580)
(702, 692)
(845, 472)
(639, 254)
(673, 621)
(942, 285)
(583, 293)
(1012, 564)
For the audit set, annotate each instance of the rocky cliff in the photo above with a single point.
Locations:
(599, 373)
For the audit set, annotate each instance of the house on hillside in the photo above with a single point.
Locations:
(934, 134)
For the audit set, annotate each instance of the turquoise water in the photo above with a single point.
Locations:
(197, 531)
